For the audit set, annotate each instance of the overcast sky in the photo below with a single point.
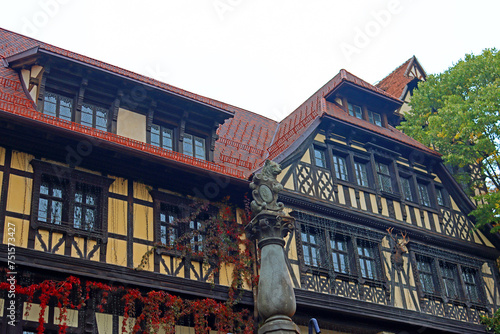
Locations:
(264, 56)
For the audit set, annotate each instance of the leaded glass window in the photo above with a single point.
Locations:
(340, 167)
(94, 116)
(384, 177)
(162, 137)
(58, 106)
(355, 111)
(374, 118)
(319, 157)
(469, 276)
(196, 239)
(450, 280)
(440, 196)
(425, 270)
(361, 173)
(367, 259)
(50, 203)
(424, 194)
(85, 208)
(340, 255)
(406, 188)
(169, 228)
(311, 247)
(194, 146)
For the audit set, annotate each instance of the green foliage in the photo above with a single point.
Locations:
(492, 324)
(457, 113)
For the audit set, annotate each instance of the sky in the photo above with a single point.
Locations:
(264, 56)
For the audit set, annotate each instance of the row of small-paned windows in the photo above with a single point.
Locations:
(64, 203)
(79, 206)
(356, 111)
(192, 145)
(98, 117)
(61, 106)
(385, 181)
(356, 257)
(341, 254)
(441, 278)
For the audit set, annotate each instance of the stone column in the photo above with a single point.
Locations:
(270, 224)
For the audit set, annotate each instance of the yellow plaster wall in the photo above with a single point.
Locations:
(307, 157)
(2, 301)
(352, 195)
(116, 252)
(55, 239)
(373, 200)
(131, 124)
(71, 317)
(141, 191)
(320, 137)
(81, 245)
(44, 235)
(417, 217)
(104, 323)
(119, 186)
(2, 155)
(143, 222)
(362, 201)
(21, 161)
(19, 194)
(140, 253)
(397, 210)
(21, 232)
(34, 312)
(117, 216)
(176, 262)
(436, 223)
(341, 198)
(129, 324)
(385, 210)
(226, 274)
(280, 177)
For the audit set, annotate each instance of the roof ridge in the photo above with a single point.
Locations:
(395, 70)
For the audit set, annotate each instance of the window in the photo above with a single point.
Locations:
(425, 271)
(367, 259)
(86, 207)
(162, 137)
(384, 177)
(94, 116)
(374, 118)
(194, 146)
(311, 247)
(50, 203)
(355, 111)
(450, 280)
(440, 196)
(406, 188)
(424, 194)
(361, 173)
(469, 276)
(169, 228)
(340, 256)
(319, 157)
(58, 106)
(69, 200)
(196, 239)
(340, 167)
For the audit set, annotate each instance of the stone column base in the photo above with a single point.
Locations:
(279, 324)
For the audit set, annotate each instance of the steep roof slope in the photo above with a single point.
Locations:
(397, 80)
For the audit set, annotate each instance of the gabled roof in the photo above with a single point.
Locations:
(395, 83)
(245, 141)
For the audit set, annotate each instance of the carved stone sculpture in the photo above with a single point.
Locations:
(270, 224)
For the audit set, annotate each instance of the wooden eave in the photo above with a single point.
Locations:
(36, 55)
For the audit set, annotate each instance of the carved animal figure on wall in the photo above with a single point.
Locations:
(399, 248)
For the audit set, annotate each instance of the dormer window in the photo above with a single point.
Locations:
(162, 137)
(94, 116)
(194, 146)
(58, 106)
(355, 111)
(374, 118)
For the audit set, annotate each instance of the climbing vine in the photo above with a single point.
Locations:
(223, 242)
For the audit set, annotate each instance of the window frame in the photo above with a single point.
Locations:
(193, 145)
(359, 180)
(58, 104)
(384, 176)
(95, 108)
(371, 118)
(409, 180)
(323, 158)
(421, 200)
(353, 112)
(71, 178)
(160, 136)
(336, 172)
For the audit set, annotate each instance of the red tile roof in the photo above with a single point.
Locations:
(395, 83)
(245, 141)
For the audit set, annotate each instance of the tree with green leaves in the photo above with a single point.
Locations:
(457, 113)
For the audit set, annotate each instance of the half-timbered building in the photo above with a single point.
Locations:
(100, 168)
